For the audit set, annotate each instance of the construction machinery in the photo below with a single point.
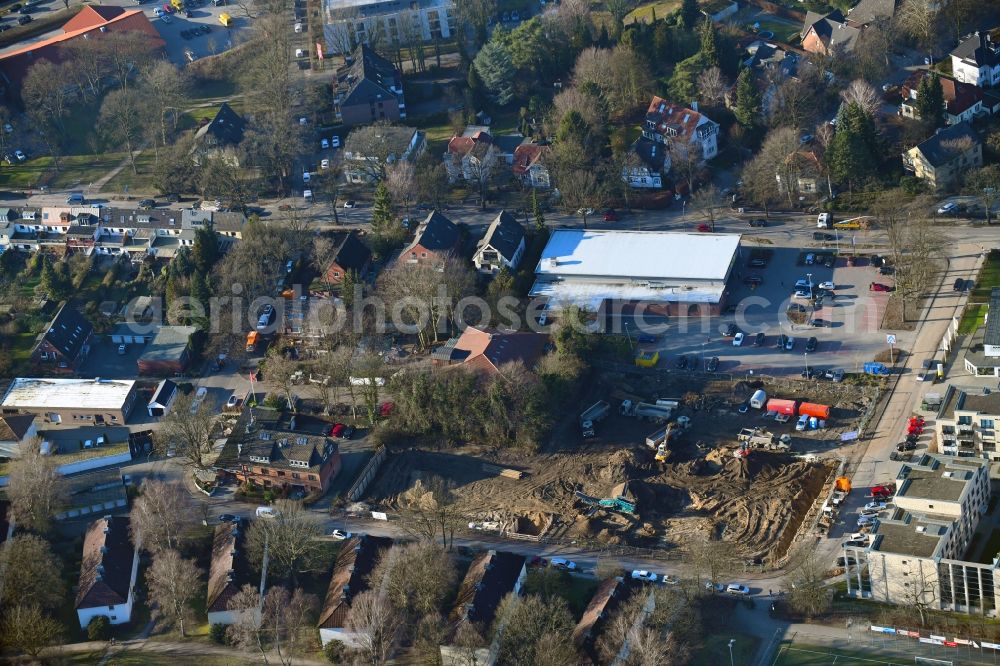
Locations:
(758, 438)
(619, 503)
(646, 410)
(592, 415)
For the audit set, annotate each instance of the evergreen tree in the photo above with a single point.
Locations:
(572, 127)
(690, 13)
(748, 103)
(199, 290)
(206, 249)
(852, 156)
(536, 211)
(709, 51)
(55, 280)
(474, 85)
(383, 221)
(494, 66)
(347, 288)
(930, 101)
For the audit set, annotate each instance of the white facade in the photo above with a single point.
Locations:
(351, 23)
(117, 614)
(642, 177)
(489, 260)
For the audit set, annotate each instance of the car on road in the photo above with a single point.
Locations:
(959, 284)
(563, 563)
(878, 286)
(146, 204)
(737, 588)
(340, 535)
(713, 364)
(233, 401)
(810, 259)
(228, 518)
(738, 339)
(611, 216)
(759, 340)
(642, 574)
(789, 343)
(306, 176)
(811, 344)
(830, 286)
(948, 208)
(121, 349)
(758, 222)
(681, 362)
(350, 203)
(173, 198)
(704, 228)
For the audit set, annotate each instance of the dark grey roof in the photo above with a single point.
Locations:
(437, 232)
(371, 77)
(936, 150)
(163, 392)
(832, 29)
(351, 253)
(869, 11)
(226, 127)
(490, 577)
(651, 153)
(504, 235)
(271, 437)
(980, 48)
(67, 331)
(508, 143)
(993, 320)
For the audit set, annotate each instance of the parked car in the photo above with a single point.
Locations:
(738, 339)
(876, 505)
(610, 216)
(23, 20)
(642, 574)
(818, 323)
(866, 520)
(146, 204)
(759, 222)
(266, 512)
(324, 144)
(340, 535)
(19, 156)
(337, 430)
(704, 228)
(758, 262)
(335, 141)
(324, 163)
(827, 285)
(737, 588)
(811, 344)
(906, 446)
(878, 286)
(670, 580)
(948, 208)
(122, 350)
(563, 563)
(789, 343)
(759, 340)
(350, 203)
(959, 284)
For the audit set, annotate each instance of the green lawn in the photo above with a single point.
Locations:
(212, 89)
(141, 182)
(781, 29)
(811, 655)
(975, 312)
(973, 318)
(645, 12)
(715, 649)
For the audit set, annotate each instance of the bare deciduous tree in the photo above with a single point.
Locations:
(401, 182)
(377, 624)
(862, 93)
(31, 574)
(161, 513)
(429, 510)
(280, 369)
(915, 245)
(918, 20)
(710, 558)
(371, 149)
(28, 629)
(806, 583)
(709, 203)
(425, 294)
(173, 583)
(712, 86)
(36, 489)
(291, 539)
(534, 628)
(416, 578)
(187, 429)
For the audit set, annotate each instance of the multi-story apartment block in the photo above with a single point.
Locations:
(966, 424)
(976, 59)
(915, 556)
(351, 23)
(667, 123)
(941, 160)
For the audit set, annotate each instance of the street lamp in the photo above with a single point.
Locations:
(806, 354)
(731, 662)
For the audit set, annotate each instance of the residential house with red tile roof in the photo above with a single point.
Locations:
(355, 563)
(529, 165)
(962, 101)
(609, 596)
(90, 22)
(228, 572)
(108, 572)
(471, 155)
(487, 349)
(668, 125)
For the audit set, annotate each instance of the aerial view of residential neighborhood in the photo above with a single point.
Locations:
(500, 332)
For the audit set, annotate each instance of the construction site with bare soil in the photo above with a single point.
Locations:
(655, 461)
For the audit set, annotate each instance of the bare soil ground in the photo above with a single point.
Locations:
(757, 503)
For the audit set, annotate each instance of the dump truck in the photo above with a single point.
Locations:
(875, 368)
(652, 412)
(675, 429)
(757, 438)
(842, 483)
(592, 415)
(252, 338)
(814, 409)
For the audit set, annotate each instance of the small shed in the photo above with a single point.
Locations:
(163, 398)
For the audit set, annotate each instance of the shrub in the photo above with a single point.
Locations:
(99, 628)
(335, 652)
(268, 496)
(218, 633)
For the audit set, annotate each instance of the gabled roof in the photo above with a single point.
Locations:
(229, 570)
(870, 11)
(488, 349)
(164, 390)
(370, 77)
(652, 153)
(981, 48)
(671, 119)
(504, 235)
(609, 594)
(355, 562)
(350, 252)
(67, 332)
(92, 16)
(937, 151)
(13, 428)
(958, 97)
(226, 127)
(527, 155)
(436, 233)
(106, 567)
(491, 576)
(832, 29)
(474, 135)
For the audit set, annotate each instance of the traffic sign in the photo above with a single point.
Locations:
(890, 338)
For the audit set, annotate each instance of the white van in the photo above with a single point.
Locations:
(823, 221)
(266, 512)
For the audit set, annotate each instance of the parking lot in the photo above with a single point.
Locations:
(175, 28)
(851, 316)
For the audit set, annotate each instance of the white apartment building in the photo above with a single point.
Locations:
(350, 23)
(915, 555)
(976, 59)
(966, 423)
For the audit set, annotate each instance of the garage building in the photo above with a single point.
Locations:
(667, 273)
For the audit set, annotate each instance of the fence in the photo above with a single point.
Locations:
(367, 474)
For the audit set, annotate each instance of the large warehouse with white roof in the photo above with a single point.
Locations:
(670, 273)
(71, 401)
